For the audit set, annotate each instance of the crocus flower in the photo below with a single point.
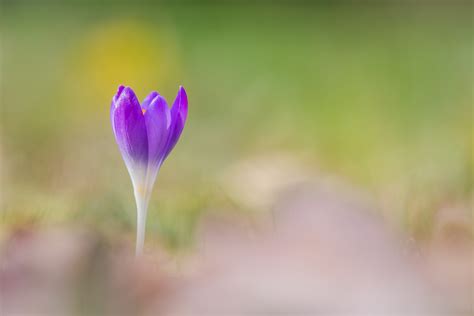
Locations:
(146, 134)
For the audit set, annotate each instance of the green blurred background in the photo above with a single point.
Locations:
(376, 93)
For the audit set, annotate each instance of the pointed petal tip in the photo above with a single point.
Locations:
(149, 99)
(159, 101)
(127, 96)
(118, 93)
(182, 98)
(128, 91)
(183, 102)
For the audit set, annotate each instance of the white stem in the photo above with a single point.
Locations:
(142, 206)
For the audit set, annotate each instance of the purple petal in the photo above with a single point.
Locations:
(112, 105)
(158, 121)
(129, 126)
(147, 101)
(179, 113)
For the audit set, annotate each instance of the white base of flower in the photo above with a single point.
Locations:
(142, 207)
(143, 178)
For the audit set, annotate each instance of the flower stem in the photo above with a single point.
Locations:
(142, 206)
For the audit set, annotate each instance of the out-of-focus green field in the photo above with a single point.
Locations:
(378, 95)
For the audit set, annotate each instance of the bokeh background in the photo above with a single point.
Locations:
(373, 94)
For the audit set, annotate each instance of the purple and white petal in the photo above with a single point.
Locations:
(129, 127)
(158, 121)
(179, 114)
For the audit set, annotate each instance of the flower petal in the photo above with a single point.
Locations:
(129, 127)
(147, 101)
(179, 114)
(157, 120)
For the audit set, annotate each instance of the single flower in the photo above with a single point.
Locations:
(146, 134)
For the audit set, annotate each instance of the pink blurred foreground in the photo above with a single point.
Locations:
(322, 251)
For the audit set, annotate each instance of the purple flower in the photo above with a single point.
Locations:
(146, 134)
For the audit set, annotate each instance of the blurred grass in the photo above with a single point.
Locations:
(379, 95)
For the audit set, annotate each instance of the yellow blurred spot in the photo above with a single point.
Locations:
(143, 111)
(131, 53)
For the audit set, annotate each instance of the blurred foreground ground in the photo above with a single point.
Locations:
(323, 250)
